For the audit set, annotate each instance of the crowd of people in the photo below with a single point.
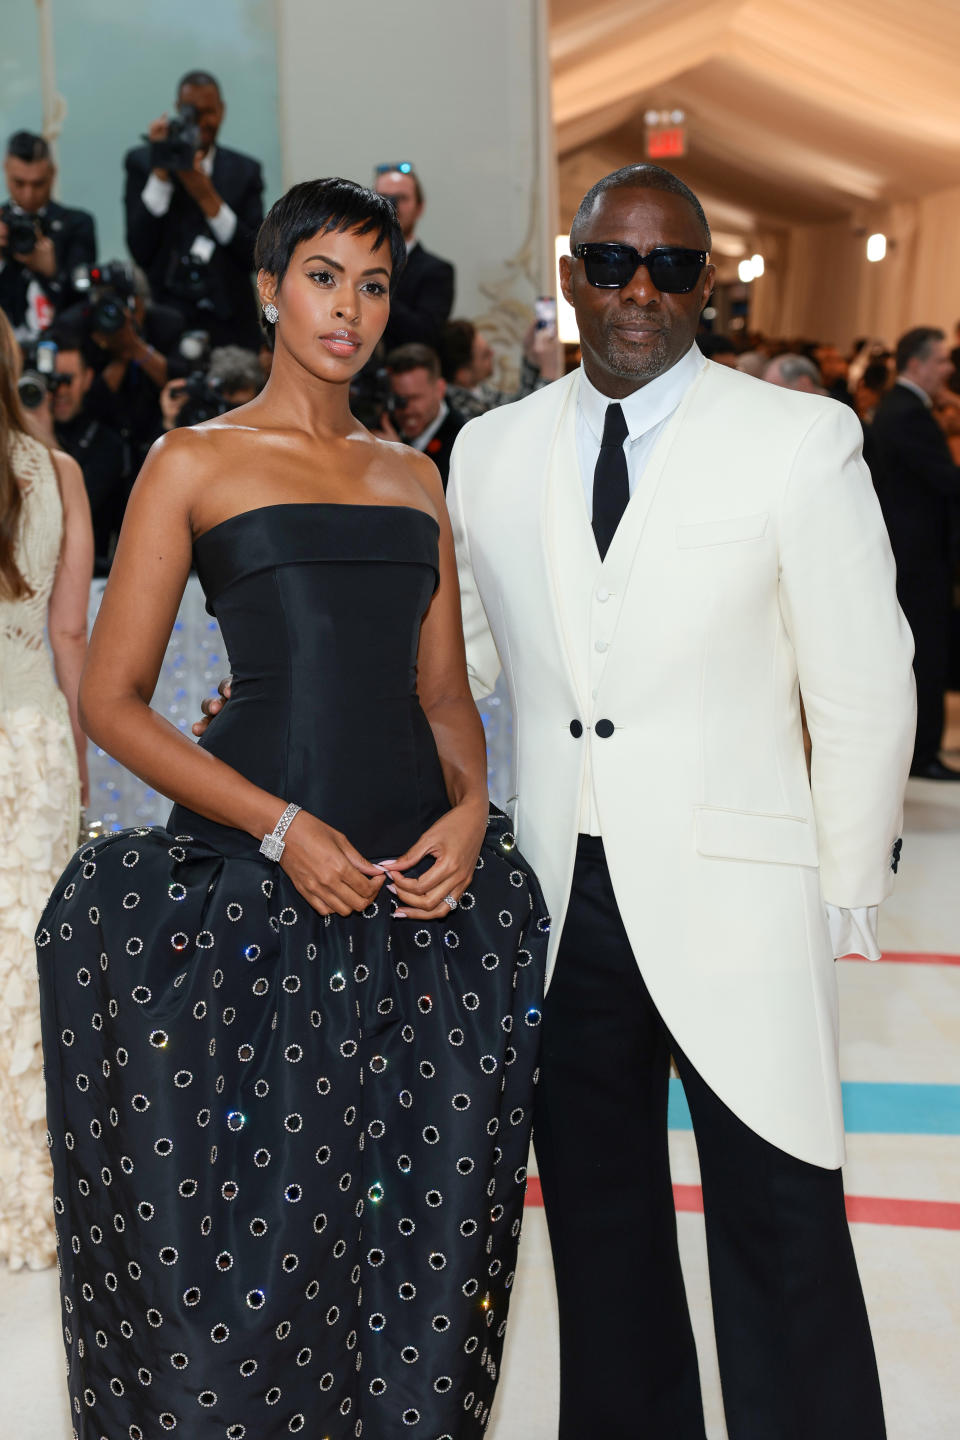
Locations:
(908, 400)
(118, 352)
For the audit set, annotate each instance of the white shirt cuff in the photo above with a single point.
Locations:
(854, 932)
(156, 195)
(223, 224)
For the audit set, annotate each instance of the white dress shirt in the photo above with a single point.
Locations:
(157, 194)
(646, 411)
(421, 441)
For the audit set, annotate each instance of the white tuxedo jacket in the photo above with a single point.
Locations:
(752, 563)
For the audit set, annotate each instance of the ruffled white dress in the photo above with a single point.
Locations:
(39, 815)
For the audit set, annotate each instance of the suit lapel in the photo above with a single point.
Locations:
(573, 561)
(625, 544)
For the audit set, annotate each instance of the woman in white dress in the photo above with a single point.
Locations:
(46, 563)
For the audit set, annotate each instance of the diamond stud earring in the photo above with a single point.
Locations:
(271, 313)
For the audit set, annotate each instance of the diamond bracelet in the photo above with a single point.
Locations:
(273, 845)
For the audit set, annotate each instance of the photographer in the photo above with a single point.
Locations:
(423, 295)
(41, 242)
(193, 209)
(233, 376)
(96, 448)
(128, 341)
(419, 413)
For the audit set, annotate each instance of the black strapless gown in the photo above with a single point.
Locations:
(289, 1151)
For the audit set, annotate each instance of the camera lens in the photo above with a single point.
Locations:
(32, 388)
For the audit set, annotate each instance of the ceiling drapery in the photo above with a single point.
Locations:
(837, 117)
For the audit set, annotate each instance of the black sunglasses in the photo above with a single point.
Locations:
(673, 269)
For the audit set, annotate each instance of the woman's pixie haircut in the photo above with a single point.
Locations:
(316, 206)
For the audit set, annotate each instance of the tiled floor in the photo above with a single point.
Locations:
(901, 1027)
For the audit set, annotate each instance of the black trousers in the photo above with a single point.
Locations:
(927, 602)
(796, 1356)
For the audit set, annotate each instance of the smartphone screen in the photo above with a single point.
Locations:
(545, 310)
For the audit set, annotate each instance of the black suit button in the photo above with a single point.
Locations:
(576, 729)
(604, 728)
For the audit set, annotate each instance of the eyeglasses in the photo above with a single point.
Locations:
(673, 269)
(403, 166)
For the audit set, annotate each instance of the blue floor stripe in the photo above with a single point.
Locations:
(872, 1109)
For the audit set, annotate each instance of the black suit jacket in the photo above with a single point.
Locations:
(74, 237)
(422, 301)
(917, 483)
(228, 310)
(440, 446)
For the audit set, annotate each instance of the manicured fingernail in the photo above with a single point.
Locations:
(399, 914)
(392, 889)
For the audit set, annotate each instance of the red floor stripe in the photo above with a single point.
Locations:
(864, 1209)
(909, 957)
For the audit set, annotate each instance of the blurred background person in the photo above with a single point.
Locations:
(420, 413)
(833, 370)
(131, 344)
(237, 374)
(97, 449)
(423, 298)
(46, 558)
(918, 485)
(193, 209)
(871, 386)
(467, 362)
(42, 242)
(228, 377)
(794, 372)
(720, 348)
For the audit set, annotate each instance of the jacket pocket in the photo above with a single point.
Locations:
(747, 835)
(722, 532)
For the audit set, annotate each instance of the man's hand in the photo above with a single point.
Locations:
(213, 706)
(42, 259)
(159, 130)
(121, 344)
(386, 430)
(199, 187)
(41, 421)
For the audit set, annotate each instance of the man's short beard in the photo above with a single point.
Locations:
(632, 364)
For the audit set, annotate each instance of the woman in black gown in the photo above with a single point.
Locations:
(289, 1098)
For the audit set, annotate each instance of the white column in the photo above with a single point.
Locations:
(461, 91)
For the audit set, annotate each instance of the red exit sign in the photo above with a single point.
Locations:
(666, 142)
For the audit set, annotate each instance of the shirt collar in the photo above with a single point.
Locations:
(206, 161)
(917, 390)
(421, 441)
(648, 405)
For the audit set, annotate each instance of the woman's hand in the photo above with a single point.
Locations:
(455, 842)
(329, 873)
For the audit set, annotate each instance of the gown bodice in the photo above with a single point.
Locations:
(320, 607)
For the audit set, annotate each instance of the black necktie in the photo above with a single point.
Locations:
(611, 487)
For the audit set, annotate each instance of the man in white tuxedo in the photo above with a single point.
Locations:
(662, 553)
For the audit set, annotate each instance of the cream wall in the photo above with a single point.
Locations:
(461, 91)
(819, 283)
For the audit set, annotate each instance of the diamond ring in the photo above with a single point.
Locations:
(449, 900)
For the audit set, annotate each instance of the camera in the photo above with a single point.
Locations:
(22, 232)
(182, 142)
(39, 376)
(109, 295)
(204, 398)
(371, 397)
